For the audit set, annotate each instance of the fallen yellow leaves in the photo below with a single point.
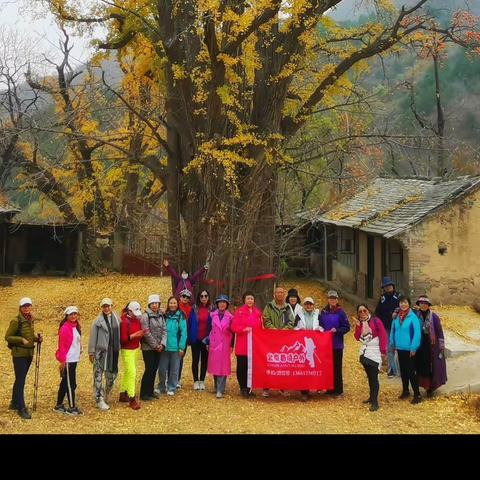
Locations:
(195, 411)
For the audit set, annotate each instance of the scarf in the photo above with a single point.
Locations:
(426, 321)
(366, 330)
(402, 314)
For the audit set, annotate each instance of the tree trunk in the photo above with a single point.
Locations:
(441, 160)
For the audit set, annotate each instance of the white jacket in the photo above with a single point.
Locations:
(301, 320)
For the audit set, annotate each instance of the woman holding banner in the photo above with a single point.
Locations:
(247, 318)
(334, 319)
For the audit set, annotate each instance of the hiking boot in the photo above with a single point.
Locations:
(24, 413)
(123, 398)
(374, 407)
(146, 398)
(416, 399)
(59, 408)
(12, 406)
(368, 400)
(156, 395)
(133, 404)
(102, 405)
(74, 412)
(244, 392)
(404, 394)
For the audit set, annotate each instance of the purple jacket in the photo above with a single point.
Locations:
(181, 284)
(338, 320)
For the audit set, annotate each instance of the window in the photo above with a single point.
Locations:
(395, 257)
(347, 242)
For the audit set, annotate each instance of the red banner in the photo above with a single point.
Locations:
(290, 360)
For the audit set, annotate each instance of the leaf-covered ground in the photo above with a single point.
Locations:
(200, 412)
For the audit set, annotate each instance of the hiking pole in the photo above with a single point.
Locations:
(37, 369)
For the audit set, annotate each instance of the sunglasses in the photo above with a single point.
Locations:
(184, 296)
(204, 295)
(362, 310)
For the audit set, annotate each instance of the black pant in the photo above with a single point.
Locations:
(242, 370)
(372, 375)
(68, 384)
(199, 355)
(407, 371)
(181, 365)
(20, 367)
(152, 361)
(337, 372)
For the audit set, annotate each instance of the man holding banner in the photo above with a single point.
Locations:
(277, 316)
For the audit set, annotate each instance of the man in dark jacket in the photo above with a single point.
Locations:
(387, 304)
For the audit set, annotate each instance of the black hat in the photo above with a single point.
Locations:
(293, 293)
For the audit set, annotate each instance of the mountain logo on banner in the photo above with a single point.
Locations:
(296, 353)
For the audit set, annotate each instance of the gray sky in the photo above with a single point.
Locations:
(43, 33)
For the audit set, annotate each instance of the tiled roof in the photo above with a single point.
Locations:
(388, 206)
(6, 207)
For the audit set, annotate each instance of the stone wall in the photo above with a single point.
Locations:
(442, 254)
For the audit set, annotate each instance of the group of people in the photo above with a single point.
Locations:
(212, 332)
(412, 338)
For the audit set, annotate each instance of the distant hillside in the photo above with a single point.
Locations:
(353, 9)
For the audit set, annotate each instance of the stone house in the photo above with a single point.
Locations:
(424, 234)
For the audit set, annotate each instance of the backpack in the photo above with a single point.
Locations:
(18, 332)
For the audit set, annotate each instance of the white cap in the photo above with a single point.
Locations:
(70, 309)
(25, 301)
(186, 292)
(308, 300)
(135, 308)
(106, 301)
(153, 299)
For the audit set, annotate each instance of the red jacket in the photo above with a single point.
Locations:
(127, 327)
(378, 330)
(241, 319)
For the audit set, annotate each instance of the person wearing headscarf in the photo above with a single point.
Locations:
(430, 361)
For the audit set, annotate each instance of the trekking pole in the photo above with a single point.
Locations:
(37, 369)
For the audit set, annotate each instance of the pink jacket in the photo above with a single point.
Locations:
(69, 346)
(220, 342)
(378, 330)
(242, 319)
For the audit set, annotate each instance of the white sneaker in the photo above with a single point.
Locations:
(196, 385)
(179, 386)
(170, 393)
(219, 395)
(266, 392)
(102, 405)
(157, 391)
(201, 385)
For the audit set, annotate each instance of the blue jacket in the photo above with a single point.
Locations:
(407, 335)
(385, 308)
(176, 331)
(193, 324)
(338, 320)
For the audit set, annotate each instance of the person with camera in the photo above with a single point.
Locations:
(131, 332)
(21, 340)
(371, 334)
(430, 361)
